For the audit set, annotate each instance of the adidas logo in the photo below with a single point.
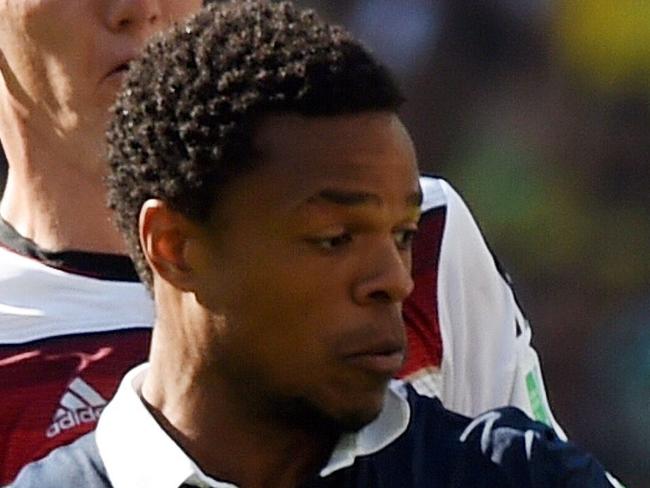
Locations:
(80, 404)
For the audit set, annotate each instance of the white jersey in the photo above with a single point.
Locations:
(39, 302)
(487, 360)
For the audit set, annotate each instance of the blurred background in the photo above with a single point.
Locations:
(538, 112)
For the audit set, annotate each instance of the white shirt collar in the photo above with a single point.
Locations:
(138, 453)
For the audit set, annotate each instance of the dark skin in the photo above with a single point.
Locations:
(284, 309)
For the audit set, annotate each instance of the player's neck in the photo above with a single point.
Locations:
(57, 204)
(220, 435)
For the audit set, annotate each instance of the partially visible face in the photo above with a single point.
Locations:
(64, 59)
(309, 261)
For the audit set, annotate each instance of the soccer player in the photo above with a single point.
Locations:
(269, 194)
(73, 316)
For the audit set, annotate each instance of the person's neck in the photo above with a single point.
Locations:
(207, 420)
(58, 202)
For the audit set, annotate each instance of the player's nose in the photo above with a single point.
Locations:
(387, 278)
(142, 17)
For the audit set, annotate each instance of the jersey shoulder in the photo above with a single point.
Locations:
(39, 302)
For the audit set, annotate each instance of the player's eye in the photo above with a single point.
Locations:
(330, 243)
(404, 238)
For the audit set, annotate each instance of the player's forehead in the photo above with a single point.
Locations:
(350, 160)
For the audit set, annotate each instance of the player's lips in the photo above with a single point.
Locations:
(385, 358)
(119, 69)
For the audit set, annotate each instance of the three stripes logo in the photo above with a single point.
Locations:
(80, 404)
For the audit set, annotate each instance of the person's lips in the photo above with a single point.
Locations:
(118, 70)
(384, 358)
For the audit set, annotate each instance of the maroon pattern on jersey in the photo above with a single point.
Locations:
(421, 307)
(35, 378)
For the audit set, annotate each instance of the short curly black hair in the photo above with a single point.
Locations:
(183, 124)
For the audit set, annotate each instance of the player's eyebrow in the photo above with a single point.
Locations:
(344, 197)
(355, 198)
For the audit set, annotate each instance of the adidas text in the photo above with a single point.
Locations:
(70, 420)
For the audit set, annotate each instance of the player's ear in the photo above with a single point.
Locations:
(164, 238)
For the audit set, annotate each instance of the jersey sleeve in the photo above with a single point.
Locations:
(530, 453)
(487, 359)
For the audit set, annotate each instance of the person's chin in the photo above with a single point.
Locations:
(357, 420)
(107, 89)
(361, 409)
(344, 411)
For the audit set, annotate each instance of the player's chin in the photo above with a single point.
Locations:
(355, 420)
(357, 408)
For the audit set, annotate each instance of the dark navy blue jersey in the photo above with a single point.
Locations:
(501, 448)
(439, 449)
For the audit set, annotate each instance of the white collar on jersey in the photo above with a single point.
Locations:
(137, 452)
